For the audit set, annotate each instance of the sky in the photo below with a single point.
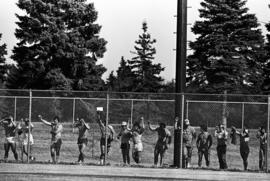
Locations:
(121, 22)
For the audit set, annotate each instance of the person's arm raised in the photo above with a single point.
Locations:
(44, 121)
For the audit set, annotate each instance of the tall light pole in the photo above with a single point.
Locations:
(180, 78)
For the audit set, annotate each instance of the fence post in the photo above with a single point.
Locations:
(131, 112)
(268, 137)
(73, 114)
(106, 127)
(15, 108)
(182, 126)
(29, 125)
(243, 115)
(187, 109)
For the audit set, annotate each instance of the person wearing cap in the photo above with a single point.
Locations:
(24, 130)
(125, 135)
(163, 142)
(56, 139)
(10, 128)
(204, 143)
(82, 137)
(262, 136)
(222, 135)
(189, 134)
(244, 147)
(137, 131)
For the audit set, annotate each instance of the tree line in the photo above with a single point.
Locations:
(59, 46)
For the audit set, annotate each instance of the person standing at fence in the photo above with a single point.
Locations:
(23, 129)
(163, 142)
(56, 140)
(244, 147)
(262, 136)
(10, 128)
(204, 143)
(189, 134)
(82, 137)
(125, 135)
(106, 131)
(222, 135)
(137, 131)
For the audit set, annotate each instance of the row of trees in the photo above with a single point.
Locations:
(59, 45)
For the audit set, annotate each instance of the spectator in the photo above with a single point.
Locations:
(125, 135)
(262, 136)
(56, 140)
(222, 136)
(82, 137)
(137, 131)
(204, 143)
(163, 142)
(10, 128)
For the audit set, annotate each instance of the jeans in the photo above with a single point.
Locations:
(221, 152)
(7, 146)
(206, 154)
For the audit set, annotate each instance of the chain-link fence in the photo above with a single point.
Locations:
(239, 111)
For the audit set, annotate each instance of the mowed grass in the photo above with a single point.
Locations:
(69, 150)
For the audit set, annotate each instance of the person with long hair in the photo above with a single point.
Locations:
(56, 139)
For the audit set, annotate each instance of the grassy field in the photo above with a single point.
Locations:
(69, 151)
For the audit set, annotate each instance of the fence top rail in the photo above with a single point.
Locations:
(228, 102)
(87, 98)
(136, 93)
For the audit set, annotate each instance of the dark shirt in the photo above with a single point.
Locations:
(10, 129)
(204, 141)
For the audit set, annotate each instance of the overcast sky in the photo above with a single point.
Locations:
(121, 22)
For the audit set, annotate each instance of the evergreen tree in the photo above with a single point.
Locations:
(111, 81)
(147, 74)
(266, 83)
(3, 65)
(58, 46)
(228, 53)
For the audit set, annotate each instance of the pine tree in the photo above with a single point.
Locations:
(111, 82)
(58, 46)
(266, 83)
(3, 65)
(147, 74)
(228, 53)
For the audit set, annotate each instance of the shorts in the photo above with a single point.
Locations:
(10, 140)
(25, 140)
(82, 141)
(125, 146)
(138, 147)
(103, 142)
(57, 143)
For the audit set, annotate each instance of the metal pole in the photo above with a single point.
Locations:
(29, 126)
(187, 110)
(180, 77)
(268, 132)
(243, 115)
(182, 126)
(73, 114)
(15, 108)
(106, 127)
(131, 113)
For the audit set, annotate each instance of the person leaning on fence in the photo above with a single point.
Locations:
(189, 134)
(204, 143)
(125, 135)
(262, 136)
(222, 135)
(10, 128)
(106, 130)
(244, 147)
(163, 142)
(56, 140)
(23, 129)
(82, 137)
(137, 131)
